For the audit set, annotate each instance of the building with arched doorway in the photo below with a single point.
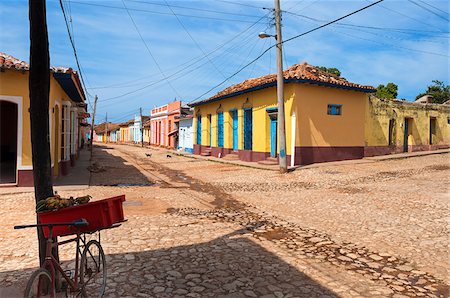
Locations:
(67, 113)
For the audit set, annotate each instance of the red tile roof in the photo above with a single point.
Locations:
(10, 62)
(303, 72)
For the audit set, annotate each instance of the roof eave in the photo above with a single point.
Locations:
(271, 84)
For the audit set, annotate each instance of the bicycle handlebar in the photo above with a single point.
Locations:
(76, 223)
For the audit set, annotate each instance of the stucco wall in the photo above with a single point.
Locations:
(379, 112)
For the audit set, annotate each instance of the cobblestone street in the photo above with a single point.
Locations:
(198, 228)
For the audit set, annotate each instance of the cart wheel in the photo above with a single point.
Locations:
(40, 285)
(93, 270)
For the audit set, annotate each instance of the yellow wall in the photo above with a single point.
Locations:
(379, 112)
(316, 128)
(15, 83)
(309, 102)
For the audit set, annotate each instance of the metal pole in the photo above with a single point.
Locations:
(142, 128)
(280, 90)
(92, 124)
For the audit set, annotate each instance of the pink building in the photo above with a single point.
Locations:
(164, 125)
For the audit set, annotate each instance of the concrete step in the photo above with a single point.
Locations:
(269, 161)
(231, 156)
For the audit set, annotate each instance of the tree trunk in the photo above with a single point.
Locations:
(39, 87)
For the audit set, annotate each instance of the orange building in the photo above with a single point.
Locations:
(164, 125)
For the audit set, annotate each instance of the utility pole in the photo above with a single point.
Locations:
(92, 124)
(280, 90)
(142, 128)
(106, 129)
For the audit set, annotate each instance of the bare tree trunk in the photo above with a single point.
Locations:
(39, 86)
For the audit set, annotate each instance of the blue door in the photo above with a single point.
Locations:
(405, 135)
(199, 129)
(273, 137)
(220, 129)
(234, 114)
(248, 129)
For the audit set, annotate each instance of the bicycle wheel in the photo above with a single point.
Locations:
(40, 285)
(93, 270)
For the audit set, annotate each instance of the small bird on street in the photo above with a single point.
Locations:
(169, 156)
(148, 154)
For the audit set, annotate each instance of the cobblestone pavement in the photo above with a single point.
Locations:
(203, 229)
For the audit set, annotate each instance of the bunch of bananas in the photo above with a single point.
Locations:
(56, 202)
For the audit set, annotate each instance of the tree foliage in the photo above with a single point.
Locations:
(439, 91)
(331, 70)
(387, 92)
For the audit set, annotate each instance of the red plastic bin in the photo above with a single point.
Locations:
(99, 214)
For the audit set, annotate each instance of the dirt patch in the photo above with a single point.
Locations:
(438, 167)
(275, 234)
(351, 190)
(145, 206)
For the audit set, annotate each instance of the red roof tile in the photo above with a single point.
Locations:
(304, 72)
(10, 62)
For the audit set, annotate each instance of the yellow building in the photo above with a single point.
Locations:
(324, 114)
(394, 126)
(67, 111)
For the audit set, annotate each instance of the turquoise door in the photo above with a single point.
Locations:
(234, 114)
(273, 137)
(248, 129)
(220, 129)
(199, 129)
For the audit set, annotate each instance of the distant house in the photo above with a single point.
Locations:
(324, 115)
(67, 113)
(106, 132)
(138, 127)
(186, 130)
(164, 125)
(394, 126)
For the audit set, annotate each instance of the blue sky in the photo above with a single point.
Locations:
(197, 44)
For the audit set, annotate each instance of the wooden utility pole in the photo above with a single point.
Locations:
(39, 88)
(92, 124)
(280, 90)
(106, 128)
(142, 128)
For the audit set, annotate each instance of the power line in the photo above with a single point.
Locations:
(192, 38)
(241, 4)
(429, 10)
(285, 41)
(194, 8)
(148, 50)
(432, 6)
(162, 13)
(190, 64)
(74, 50)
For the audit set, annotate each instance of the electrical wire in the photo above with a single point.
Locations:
(432, 6)
(74, 51)
(241, 4)
(162, 13)
(149, 51)
(194, 8)
(192, 38)
(285, 41)
(429, 10)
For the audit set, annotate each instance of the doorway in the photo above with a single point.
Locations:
(273, 135)
(406, 133)
(210, 129)
(234, 116)
(56, 142)
(8, 142)
(432, 130)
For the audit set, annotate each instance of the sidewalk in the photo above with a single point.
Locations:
(316, 165)
(78, 178)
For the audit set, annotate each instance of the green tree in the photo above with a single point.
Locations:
(439, 91)
(331, 70)
(387, 92)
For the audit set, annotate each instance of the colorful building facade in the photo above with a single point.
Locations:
(395, 126)
(324, 118)
(67, 113)
(186, 130)
(164, 125)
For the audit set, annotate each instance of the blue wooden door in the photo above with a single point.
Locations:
(235, 129)
(199, 129)
(220, 129)
(273, 137)
(248, 129)
(405, 136)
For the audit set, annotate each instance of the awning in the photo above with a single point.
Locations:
(66, 82)
(173, 132)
